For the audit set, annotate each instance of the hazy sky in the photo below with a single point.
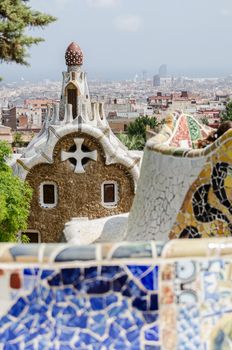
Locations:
(120, 38)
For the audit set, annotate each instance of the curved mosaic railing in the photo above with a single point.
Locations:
(183, 192)
(132, 296)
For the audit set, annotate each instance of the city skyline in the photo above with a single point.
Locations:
(121, 38)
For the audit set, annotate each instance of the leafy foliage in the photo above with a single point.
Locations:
(5, 151)
(138, 127)
(136, 137)
(135, 142)
(18, 140)
(205, 121)
(227, 114)
(15, 17)
(15, 196)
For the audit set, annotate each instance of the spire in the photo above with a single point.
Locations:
(74, 55)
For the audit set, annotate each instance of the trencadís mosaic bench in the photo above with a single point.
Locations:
(137, 296)
(183, 192)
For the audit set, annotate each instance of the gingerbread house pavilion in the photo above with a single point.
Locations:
(76, 166)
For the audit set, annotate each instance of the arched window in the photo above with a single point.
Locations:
(72, 94)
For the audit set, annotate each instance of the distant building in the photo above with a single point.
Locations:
(163, 71)
(22, 118)
(29, 116)
(211, 115)
(119, 105)
(156, 80)
(42, 104)
(144, 75)
(184, 94)
(120, 124)
(222, 97)
(9, 118)
(6, 134)
(160, 101)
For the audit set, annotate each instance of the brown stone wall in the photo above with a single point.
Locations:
(79, 195)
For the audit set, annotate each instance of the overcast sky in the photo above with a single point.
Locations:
(120, 38)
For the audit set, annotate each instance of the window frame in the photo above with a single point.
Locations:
(41, 195)
(32, 231)
(116, 194)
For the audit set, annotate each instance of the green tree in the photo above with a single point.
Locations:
(18, 140)
(138, 127)
(227, 113)
(15, 197)
(135, 142)
(136, 132)
(15, 18)
(205, 120)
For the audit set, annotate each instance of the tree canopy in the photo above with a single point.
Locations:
(15, 196)
(227, 114)
(136, 132)
(18, 140)
(15, 17)
(138, 127)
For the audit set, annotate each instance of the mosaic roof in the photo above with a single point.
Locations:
(187, 130)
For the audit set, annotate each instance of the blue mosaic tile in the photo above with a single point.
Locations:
(97, 303)
(82, 306)
(99, 329)
(134, 289)
(18, 308)
(147, 275)
(150, 317)
(29, 347)
(4, 320)
(154, 302)
(140, 304)
(66, 336)
(119, 283)
(91, 272)
(99, 286)
(69, 276)
(111, 299)
(124, 322)
(31, 272)
(110, 271)
(133, 335)
(138, 270)
(55, 281)
(153, 347)
(11, 347)
(152, 333)
(65, 347)
(189, 327)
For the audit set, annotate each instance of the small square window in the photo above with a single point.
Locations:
(48, 195)
(33, 237)
(109, 193)
(29, 236)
